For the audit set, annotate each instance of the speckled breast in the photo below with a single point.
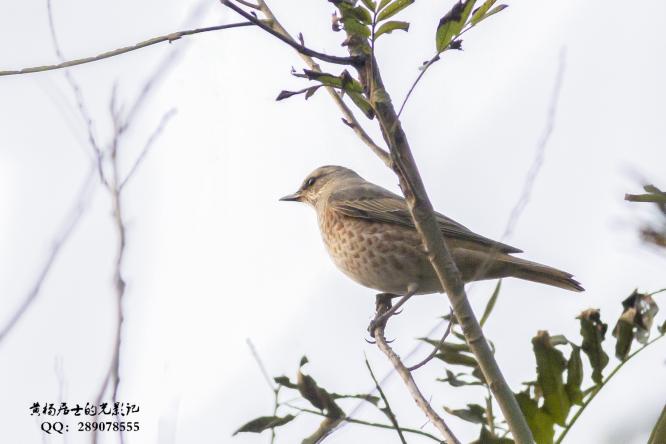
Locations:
(385, 257)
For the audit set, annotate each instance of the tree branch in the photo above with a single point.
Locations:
(151, 140)
(105, 55)
(349, 119)
(383, 306)
(68, 226)
(291, 42)
(367, 423)
(438, 253)
(389, 413)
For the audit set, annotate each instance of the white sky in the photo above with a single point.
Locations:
(213, 258)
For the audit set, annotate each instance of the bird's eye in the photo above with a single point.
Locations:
(310, 182)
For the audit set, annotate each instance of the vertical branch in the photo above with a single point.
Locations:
(274, 387)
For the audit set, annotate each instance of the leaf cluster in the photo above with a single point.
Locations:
(547, 402)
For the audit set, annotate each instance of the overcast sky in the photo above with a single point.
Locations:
(213, 258)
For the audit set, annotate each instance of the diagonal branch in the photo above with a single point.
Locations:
(387, 410)
(105, 55)
(383, 305)
(149, 144)
(349, 119)
(289, 41)
(68, 227)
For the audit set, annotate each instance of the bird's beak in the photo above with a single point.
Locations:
(295, 197)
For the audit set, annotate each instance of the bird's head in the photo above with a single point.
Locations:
(320, 182)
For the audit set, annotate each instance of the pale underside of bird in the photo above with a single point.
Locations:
(370, 235)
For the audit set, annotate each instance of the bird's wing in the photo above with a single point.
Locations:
(369, 201)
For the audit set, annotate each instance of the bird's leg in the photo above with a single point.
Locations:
(385, 309)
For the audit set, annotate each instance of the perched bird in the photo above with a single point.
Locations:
(370, 235)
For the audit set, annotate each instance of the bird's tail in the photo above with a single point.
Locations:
(535, 272)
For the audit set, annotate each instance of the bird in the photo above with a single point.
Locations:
(370, 236)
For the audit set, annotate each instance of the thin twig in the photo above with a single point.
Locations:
(366, 423)
(407, 378)
(291, 42)
(434, 351)
(78, 97)
(423, 70)
(105, 55)
(387, 410)
(598, 388)
(151, 140)
(540, 148)
(63, 234)
(275, 388)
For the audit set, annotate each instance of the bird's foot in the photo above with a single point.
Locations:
(383, 306)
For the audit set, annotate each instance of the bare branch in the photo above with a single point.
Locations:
(67, 228)
(78, 97)
(389, 413)
(423, 70)
(274, 388)
(289, 41)
(535, 168)
(105, 55)
(349, 119)
(151, 140)
(351, 420)
(383, 305)
(434, 351)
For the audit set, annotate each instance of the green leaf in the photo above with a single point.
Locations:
(491, 303)
(495, 10)
(624, 333)
(445, 346)
(540, 422)
(359, 13)
(474, 413)
(343, 81)
(457, 358)
(362, 104)
(454, 381)
(574, 376)
(355, 27)
(550, 369)
(316, 395)
(593, 332)
(371, 5)
(479, 12)
(391, 26)
(262, 423)
(452, 23)
(383, 4)
(392, 9)
(483, 12)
